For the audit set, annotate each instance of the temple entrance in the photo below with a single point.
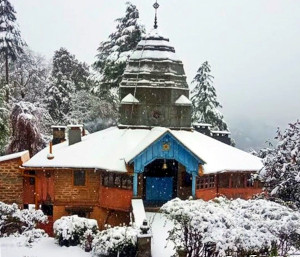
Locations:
(160, 182)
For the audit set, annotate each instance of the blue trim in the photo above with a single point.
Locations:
(194, 185)
(175, 151)
(135, 184)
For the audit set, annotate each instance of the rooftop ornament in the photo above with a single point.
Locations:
(156, 6)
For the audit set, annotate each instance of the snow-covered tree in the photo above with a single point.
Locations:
(221, 227)
(95, 113)
(29, 75)
(11, 44)
(281, 173)
(26, 132)
(113, 53)
(68, 76)
(204, 99)
(4, 122)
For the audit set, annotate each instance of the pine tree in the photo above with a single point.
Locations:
(113, 53)
(281, 173)
(68, 76)
(204, 99)
(4, 123)
(11, 44)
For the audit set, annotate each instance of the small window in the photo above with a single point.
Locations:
(47, 209)
(116, 180)
(32, 180)
(205, 182)
(79, 178)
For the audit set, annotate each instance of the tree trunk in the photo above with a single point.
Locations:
(6, 69)
(7, 79)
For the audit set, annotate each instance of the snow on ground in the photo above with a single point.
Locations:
(46, 247)
(160, 226)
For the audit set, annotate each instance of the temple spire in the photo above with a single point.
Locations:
(156, 5)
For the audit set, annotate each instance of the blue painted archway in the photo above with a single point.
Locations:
(166, 147)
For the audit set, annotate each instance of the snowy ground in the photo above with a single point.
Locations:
(160, 226)
(46, 247)
(14, 247)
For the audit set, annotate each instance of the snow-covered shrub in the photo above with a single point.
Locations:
(220, 227)
(116, 241)
(33, 235)
(72, 230)
(281, 173)
(13, 220)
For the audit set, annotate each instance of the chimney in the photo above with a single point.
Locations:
(58, 133)
(222, 136)
(74, 134)
(203, 128)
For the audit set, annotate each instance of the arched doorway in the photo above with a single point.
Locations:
(160, 181)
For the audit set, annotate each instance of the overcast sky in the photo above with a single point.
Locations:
(253, 46)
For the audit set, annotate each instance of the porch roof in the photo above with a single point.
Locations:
(112, 148)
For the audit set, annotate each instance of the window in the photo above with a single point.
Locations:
(249, 180)
(237, 180)
(205, 182)
(116, 180)
(79, 178)
(32, 180)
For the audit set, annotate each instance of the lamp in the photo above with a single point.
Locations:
(164, 167)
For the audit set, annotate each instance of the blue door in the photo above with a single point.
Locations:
(159, 189)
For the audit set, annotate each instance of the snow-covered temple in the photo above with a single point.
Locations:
(154, 154)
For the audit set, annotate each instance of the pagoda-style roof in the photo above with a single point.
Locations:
(155, 76)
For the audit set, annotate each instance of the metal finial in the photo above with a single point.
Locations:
(156, 6)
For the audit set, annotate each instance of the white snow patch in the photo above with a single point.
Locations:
(46, 247)
(129, 99)
(160, 227)
(183, 100)
(13, 156)
(138, 210)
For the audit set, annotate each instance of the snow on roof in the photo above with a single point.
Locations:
(154, 54)
(112, 148)
(75, 126)
(202, 124)
(24, 154)
(183, 100)
(129, 99)
(59, 127)
(224, 132)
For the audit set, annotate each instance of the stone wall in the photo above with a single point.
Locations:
(11, 181)
(66, 193)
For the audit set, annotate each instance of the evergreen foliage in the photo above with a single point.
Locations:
(4, 123)
(113, 53)
(90, 110)
(204, 99)
(11, 44)
(281, 173)
(68, 76)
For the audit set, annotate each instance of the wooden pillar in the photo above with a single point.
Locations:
(135, 184)
(194, 185)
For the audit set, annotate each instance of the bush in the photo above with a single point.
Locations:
(117, 241)
(16, 221)
(221, 227)
(74, 230)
